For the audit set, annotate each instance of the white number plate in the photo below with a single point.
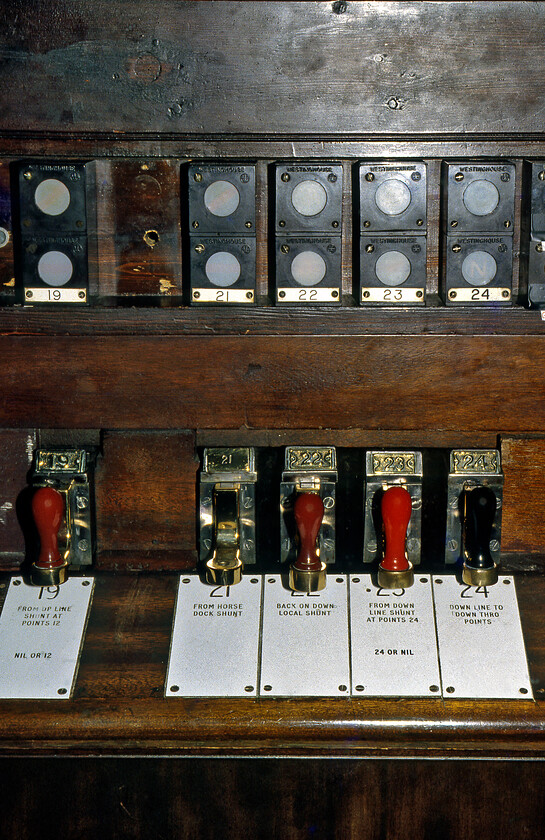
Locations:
(391, 295)
(55, 296)
(222, 296)
(321, 295)
(215, 639)
(481, 648)
(41, 632)
(484, 295)
(305, 640)
(394, 650)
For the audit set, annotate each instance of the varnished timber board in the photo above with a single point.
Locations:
(406, 67)
(487, 383)
(118, 705)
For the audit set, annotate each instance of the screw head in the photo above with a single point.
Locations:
(366, 294)
(196, 295)
(197, 177)
(367, 224)
(281, 224)
(281, 294)
(452, 294)
(457, 248)
(416, 176)
(419, 222)
(369, 249)
(248, 224)
(332, 178)
(541, 175)
(285, 177)
(200, 249)
(369, 176)
(27, 176)
(81, 295)
(505, 293)
(539, 248)
(419, 293)
(194, 225)
(507, 224)
(28, 294)
(454, 223)
(250, 295)
(459, 176)
(335, 224)
(334, 293)
(502, 248)
(285, 249)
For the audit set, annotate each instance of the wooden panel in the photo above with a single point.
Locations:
(118, 706)
(523, 522)
(146, 501)
(138, 228)
(391, 382)
(142, 799)
(16, 452)
(7, 279)
(406, 67)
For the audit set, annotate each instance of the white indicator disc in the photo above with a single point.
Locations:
(52, 197)
(221, 198)
(481, 197)
(55, 268)
(222, 269)
(479, 268)
(308, 268)
(393, 197)
(309, 198)
(392, 268)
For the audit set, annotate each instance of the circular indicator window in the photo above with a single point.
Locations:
(479, 268)
(392, 268)
(52, 197)
(55, 268)
(481, 197)
(221, 198)
(309, 198)
(222, 269)
(308, 268)
(393, 197)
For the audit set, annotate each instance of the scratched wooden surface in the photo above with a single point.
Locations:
(316, 68)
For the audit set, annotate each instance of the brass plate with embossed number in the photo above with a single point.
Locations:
(60, 461)
(310, 458)
(229, 459)
(394, 463)
(474, 461)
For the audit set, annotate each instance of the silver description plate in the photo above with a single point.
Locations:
(394, 649)
(481, 647)
(215, 639)
(41, 633)
(305, 640)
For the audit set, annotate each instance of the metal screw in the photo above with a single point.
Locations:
(27, 176)
(367, 224)
(541, 175)
(250, 295)
(335, 224)
(369, 177)
(83, 545)
(197, 177)
(329, 502)
(79, 223)
(366, 294)
(416, 176)
(420, 293)
(4, 237)
(507, 224)
(456, 248)
(332, 178)
(452, 545)
(505, 293)
(248, 224)
(81, 295)
(459, 176)
(452, 294)
(285, 177)
(372, 546)
(494, 545)
(419, 222)
(196, 295)
(334, 293)
(285, 249)
(454, 223)
(194, 224)
(200, 249)
(281, 224)
(539, 248)
(281, 294)
(81, 502)
(502, 248)
(369, 249)
(28, 294)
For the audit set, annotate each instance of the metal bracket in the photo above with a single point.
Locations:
(227, 506)
(308, 469)
(384, 470)
(471, 468)
(68, 471)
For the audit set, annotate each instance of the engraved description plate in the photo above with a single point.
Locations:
(481, 648)
(41, 632)
(215, 639)
(394, 649)
(305, 640)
